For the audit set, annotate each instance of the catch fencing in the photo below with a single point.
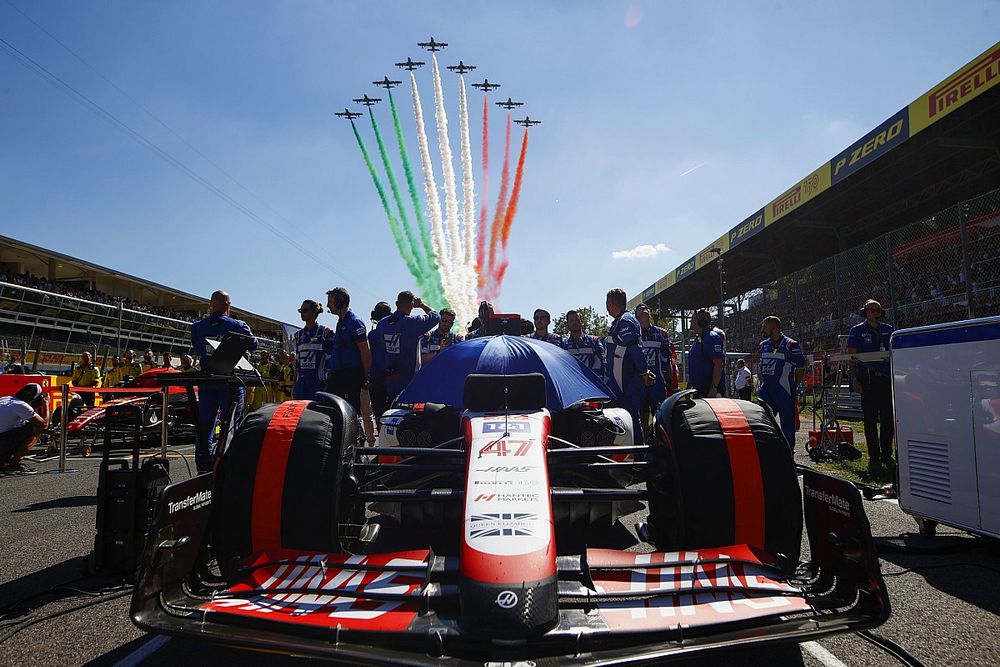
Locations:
(942, 268)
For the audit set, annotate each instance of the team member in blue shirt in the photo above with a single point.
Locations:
(310, 343)
(397, 342)
(588, 350)
(706, 358)
(348, 357)
(782, 367)
(626, 372)
(872, 379)
(659, 353)
(542, 319)
(440, 339)
(215, 399)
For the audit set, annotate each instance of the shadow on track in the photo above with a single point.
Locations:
(58, 503)
(962, 566)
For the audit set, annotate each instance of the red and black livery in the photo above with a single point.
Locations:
(495, 542)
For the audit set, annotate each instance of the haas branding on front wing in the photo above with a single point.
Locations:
(507, 507)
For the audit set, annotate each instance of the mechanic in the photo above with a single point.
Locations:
(397, 342)
(661, 359)
(706, 358)
(286, 374)
(270, 373)
(542, 320)
(131, 367)
(477, 327)
(744, 380)
(20, 425)
(873, 381)
(148, 361)
(86, 375)
(782, 368)
(310, 368)
(349, 358)
(187, 364)
(215, 399)
(114, 374)
(588, 350)
(626, 372)
(373, 399)
(434, 342)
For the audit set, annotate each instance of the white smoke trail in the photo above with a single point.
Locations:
(430, 189)
(455, 253)
(468, 197)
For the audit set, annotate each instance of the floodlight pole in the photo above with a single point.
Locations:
(722, 286)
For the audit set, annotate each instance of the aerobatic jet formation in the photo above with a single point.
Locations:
(410, 64)
(527, 122)
(486, 86)
(367, 101)
(509, 104)
(461, 68)
(432, 45)
(387, 83)
(348, 114)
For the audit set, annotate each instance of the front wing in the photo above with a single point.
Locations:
(402, 608)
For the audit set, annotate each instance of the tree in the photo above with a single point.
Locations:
(594, 323)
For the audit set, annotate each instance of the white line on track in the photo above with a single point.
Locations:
(138, 656)
(825, 658)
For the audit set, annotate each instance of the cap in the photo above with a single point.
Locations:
(29, 393)
(873, 302)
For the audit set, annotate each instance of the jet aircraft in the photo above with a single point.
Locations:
(410, 64)
(461, 67)
(486, 86)
(348, 114)
(527, 122)
(432, 45)
(387, 83)
(509, 104)
(367, 101)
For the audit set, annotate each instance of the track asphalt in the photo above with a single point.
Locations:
(945, 591)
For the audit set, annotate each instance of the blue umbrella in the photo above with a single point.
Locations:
(567, 381)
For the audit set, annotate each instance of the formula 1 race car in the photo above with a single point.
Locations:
(89, 420)
(485, 528)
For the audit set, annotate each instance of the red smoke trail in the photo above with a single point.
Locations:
(499, 214)
(511, 212)
(481, 234)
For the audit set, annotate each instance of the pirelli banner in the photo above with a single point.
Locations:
(797, 195)
(964, 85)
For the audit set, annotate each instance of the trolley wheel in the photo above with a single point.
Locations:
(926, 527)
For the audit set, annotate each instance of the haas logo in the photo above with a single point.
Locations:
(506, 599)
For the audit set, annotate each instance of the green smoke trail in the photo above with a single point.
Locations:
(412, 246)
(430, 259)
(393, 222)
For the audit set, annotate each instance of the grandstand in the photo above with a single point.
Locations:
(65, 305)
(909, 214)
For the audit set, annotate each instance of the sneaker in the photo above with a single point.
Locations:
(22, 469)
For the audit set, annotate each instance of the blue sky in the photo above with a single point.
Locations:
(664, 125)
